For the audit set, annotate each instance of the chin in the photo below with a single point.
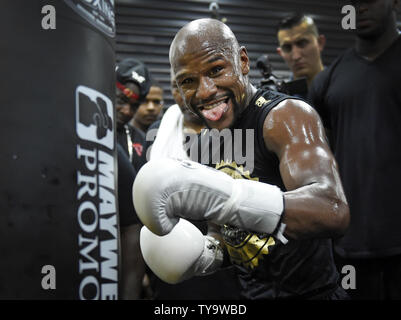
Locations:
(303, 74)
(369, 32)
(223, 124)
(119, 124)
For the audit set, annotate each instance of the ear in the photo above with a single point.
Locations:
(321, 40)
(244, 61)
(134, 109)
(279, 51)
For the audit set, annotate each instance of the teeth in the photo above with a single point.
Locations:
(211, 106)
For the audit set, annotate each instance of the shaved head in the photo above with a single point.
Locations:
(202, 33)
(211, 71)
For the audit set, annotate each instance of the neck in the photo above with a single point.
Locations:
(136, 124)
(370, 49)
(120, 127)
(250, 93)
(192, 126)
(319, 69)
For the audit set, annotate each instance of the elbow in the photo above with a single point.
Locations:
(341, 219)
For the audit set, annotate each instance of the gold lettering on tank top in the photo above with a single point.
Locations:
(245, 248)
(261, 102)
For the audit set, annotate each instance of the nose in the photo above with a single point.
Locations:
(206, 89)
(296, 53)
(124, 108)
(150, 106)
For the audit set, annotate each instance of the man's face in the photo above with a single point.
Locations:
(212, 81)
(177, 95)
(188, 115)
(125, 109)
(372, 17)
(149, 109)
(301, 49)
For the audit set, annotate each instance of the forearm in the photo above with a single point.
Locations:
(315, 211)
(131, 285)
(132, 264)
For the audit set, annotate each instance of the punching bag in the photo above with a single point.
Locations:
(59, 236)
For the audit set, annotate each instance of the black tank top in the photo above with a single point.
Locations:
(268, 269)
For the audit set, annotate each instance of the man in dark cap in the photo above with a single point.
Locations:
(132, 86)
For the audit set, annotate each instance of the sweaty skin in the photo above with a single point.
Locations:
(209, 80)
(192, 123)
(211, 71)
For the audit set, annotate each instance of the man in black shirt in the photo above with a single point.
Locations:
(132, 85)
(292, 191)
(359, 100)
(150, 109)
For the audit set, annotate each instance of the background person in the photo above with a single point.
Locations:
(131, 87)
(301, 45)
(149, 110)
(359, 100)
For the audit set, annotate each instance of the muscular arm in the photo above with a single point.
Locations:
(315, 204)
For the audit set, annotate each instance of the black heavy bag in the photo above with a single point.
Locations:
(58, 208)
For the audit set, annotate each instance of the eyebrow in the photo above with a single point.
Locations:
(295, 40)
(214, 59)
(180, 75)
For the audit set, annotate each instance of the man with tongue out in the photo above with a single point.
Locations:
(277, 223)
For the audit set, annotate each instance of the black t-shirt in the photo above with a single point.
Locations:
(137, 140)
(151, 134)
(360, 102)
(126, 177)
(267, 268)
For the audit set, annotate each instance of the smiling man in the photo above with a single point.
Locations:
(275, 221)
(224, 61)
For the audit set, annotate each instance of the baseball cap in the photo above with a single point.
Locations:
(133, 70)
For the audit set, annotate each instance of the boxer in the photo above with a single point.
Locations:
(275, 222)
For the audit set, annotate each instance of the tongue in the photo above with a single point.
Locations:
(216, 113)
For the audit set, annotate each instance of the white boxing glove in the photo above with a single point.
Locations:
(167, 189)
(181, 254)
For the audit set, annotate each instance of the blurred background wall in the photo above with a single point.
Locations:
(145, 29)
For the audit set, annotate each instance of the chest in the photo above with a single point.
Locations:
(365, 89)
